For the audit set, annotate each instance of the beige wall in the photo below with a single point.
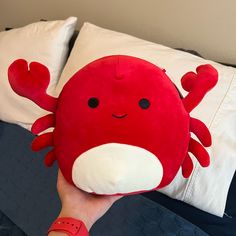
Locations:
(208, 26)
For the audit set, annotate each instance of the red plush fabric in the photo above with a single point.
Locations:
(119, 99)
(31, 81)
(119, 83)
(198, 84)
(43, 123)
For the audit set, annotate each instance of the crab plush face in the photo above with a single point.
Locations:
(115, 119)
(120, 124)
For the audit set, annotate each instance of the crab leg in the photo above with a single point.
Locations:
(42, 141)
(199, 152)
(198, 84)
(43, 123)
(187, 166)
(201, 131)
(50, 158)
(32, 82)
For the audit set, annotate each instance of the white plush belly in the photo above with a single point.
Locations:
(117, 168)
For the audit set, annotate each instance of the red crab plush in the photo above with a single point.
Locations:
(120, 125)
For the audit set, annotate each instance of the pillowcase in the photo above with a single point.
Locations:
(45, 42)
(206, 188)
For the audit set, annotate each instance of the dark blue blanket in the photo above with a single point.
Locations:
(28, 196)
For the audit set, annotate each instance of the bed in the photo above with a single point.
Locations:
(29, 201)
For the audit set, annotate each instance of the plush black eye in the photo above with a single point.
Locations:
(93, 102)
(144, 103)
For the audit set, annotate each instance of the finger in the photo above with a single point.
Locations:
(60, 180)
(115, 198)
(59, 174)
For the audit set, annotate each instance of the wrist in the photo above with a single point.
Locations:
(68, 226)
(77, 214)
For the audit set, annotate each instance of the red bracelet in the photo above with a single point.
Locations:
(70, 226)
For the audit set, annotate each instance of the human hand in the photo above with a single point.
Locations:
(81, 205)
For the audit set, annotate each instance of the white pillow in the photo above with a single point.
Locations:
(45, 42)
(206, 188)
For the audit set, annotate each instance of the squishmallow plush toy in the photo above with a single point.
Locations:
(120, 124)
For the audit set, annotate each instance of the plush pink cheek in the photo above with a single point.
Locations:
(115, 168)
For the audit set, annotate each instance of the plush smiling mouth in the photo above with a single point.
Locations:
(119, 116)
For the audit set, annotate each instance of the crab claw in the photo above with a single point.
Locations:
(31, 82)
(198, 84)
